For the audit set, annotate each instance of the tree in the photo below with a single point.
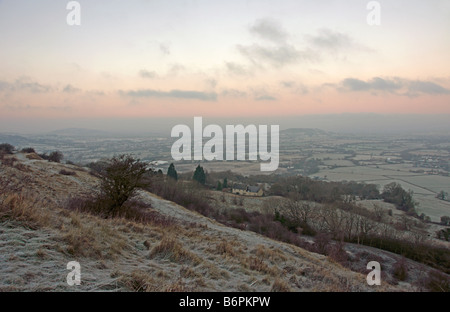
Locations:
(171, 172)
(395, 194)
(199, 175)
(219, 186)
(445, 220)
(225, 183)
(442, 195)
(56, 156)
(120, 179)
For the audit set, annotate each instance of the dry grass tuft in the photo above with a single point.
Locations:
(139, 281)
(280, 286)
(15, 207)
(33, 156)
(170, 248)
(225, 248)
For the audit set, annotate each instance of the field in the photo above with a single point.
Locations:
(424, 186)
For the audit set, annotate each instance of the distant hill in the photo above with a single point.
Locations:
(304, 131)
(13, 139)
(79, 132)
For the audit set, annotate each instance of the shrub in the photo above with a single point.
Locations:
(400, 270)
(445, 220)
(121, 178)
(6, 148)
(437, 282)
(28, 150)
(56, 156)
(67, 172)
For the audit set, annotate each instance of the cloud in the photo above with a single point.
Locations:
(25, 84)
(295, 87)
(375, 84)
(269, 29)
(165, 48)
(277, 51)
(275, 55)
(175, 70)
(177, 94)
(211, 83)
(427, 87)
(329, 39)
(236, 69)
(147, 74)
(4, 85)
(233, 93)
(70, 89)
(334, 41)
(393, 85)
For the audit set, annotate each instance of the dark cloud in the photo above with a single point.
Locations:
(426, 87)
(178, 94)
(393, 85)
(375, 84)
(269, 29)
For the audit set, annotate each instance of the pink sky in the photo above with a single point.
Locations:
(233, 58)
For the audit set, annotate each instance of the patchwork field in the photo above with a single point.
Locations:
(424, 186)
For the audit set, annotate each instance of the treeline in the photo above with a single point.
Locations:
(306, 188)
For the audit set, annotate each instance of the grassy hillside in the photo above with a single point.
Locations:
(171, 249)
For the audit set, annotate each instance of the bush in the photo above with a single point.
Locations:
(445, 220)
(437, 282)
(55, 157)
(67, 172)
(28, 150)
(403, 200)
(400, 270)
(121, 178)
(6, 148)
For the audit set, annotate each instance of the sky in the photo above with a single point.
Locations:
(138, 59)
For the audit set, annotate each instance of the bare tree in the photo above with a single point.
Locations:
(299, 211)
